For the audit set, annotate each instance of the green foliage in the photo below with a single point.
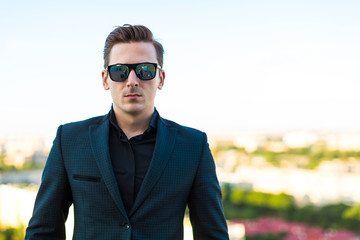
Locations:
(227, 147)
(32, 166)
(244, 204)
(280, 201)
(330, 215)
(272, 157)
(226, 190)
(26, 166)
(237, 195)
(308, 214)
(313, 155)
(299, 151)
(7, 168)
(12, 233)
(257, 199)
(352, 213)
(3, 166)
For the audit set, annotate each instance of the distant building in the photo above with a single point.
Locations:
(299, 139)
(344, 141)
(340, 166)
(19, 150)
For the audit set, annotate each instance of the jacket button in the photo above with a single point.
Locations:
(127, 226)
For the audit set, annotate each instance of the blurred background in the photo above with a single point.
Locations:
(273, 83)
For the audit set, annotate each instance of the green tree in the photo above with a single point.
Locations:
(281, 201)
(352, 213)
(258, 199)
(237, 196)
(13, 233)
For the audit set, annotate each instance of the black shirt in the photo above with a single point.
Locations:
(130, 157)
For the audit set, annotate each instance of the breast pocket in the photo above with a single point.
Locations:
(86, 178)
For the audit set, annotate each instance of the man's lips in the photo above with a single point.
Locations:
(132, 95)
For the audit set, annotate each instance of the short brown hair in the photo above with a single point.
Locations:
(132, 33)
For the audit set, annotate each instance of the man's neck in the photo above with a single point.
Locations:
(133, 124)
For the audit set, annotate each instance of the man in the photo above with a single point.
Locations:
(130, 173)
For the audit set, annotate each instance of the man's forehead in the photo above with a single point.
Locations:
(133, 51)
(133, 46)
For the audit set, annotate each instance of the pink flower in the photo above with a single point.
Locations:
(294, 231)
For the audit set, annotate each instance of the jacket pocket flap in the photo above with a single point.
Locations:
(86, 178)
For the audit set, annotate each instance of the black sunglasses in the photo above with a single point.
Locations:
(144, 71)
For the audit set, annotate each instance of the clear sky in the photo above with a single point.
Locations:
(253, 66)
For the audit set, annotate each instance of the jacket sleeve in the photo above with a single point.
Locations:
(53, 199)
(205, 200)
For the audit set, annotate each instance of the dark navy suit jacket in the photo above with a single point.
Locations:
(79, 171)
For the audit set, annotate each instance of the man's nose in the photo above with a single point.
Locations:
(133, 80)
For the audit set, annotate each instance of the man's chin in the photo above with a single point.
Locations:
(134, 109)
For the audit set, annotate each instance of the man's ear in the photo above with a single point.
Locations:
(105, 80)
(162, 79)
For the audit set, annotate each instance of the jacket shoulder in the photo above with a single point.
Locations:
(184, 131)
(83, 125)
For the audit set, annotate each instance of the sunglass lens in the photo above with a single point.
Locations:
(145, 71)
(119, 73)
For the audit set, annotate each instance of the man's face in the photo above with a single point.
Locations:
(133, 96)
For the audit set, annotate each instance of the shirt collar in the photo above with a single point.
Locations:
(152, 125)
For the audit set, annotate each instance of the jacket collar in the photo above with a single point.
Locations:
(165, 142)
(99, 140)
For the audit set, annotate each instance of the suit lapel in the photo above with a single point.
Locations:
(165, 142)
(99, 139)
